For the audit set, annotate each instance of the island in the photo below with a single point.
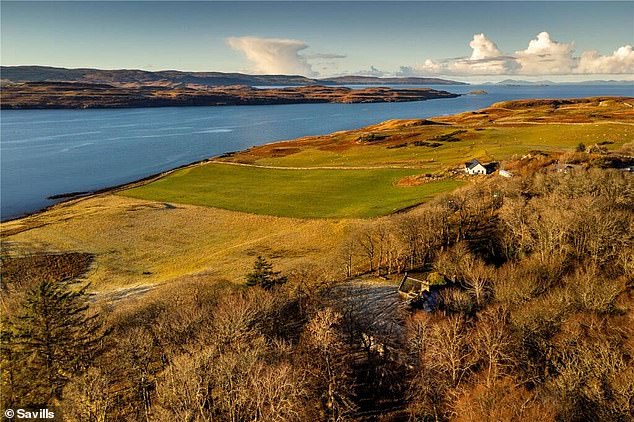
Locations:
(71, 95)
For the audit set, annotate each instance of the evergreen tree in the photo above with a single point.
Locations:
(263, 275)
(10, 369)
(54, 338)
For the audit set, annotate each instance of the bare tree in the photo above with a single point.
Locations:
(369, 245)
(493, 343)
(449, 350)
(349, 250)
(478, 277)
(88, 397)
(594, 292)
(327, 365)
(453, 262)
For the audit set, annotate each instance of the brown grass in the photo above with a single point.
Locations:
(138, 242)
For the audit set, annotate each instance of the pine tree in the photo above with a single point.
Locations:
(10, 369)
(263, 275)
(55, 338)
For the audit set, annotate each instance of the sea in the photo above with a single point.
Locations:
(46, 153)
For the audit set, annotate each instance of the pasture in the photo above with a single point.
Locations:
(297, 193)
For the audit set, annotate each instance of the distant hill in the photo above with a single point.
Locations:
(172, 78)
(543, 83)
(520, 82)
(175, 78)
(371, 80)
(602, 82)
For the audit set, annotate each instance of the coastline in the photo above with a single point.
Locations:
(110, 189)
(67, 198)
(67, 96)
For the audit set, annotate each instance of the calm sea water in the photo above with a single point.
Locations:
(51, 152)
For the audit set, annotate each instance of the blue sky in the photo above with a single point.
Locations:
(328, 38)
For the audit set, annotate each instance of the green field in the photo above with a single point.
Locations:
(315, 193)
(490, 143)
(149, 243)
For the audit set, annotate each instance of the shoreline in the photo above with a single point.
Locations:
(110, 189)
(75, 197)
(71, 96)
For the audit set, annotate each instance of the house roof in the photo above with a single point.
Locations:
(471, 164)
(411, 284)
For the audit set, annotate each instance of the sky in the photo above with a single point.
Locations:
(471, 41)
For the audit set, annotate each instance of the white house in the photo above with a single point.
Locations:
(475, 167)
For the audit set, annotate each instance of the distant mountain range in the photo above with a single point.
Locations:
(516, 82)
(371, 80)
(175, 78)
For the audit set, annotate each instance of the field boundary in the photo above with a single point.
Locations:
(231, 163)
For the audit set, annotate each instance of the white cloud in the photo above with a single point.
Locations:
(483, 48)
(501, 65)
(620, 61)
(273, 55)
(546, 56)
(543, 56)
(373, 71)
(430, 66)
(486, 59)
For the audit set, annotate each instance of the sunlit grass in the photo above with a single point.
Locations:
(314, 193)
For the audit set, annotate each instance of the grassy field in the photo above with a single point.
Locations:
(499, 132)
(137, 242)
(314, 193)
(496, 142)
(355, 173)
(158, 233)
(492, 143)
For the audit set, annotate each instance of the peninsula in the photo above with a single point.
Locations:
(68, 95)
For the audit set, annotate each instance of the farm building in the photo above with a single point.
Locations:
(424, 294)
(474, 167)
(411, 287)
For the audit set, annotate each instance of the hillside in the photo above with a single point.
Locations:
(176, 78)
(41, 95)
(516, 82)
(275, 187)
(264, 285)
(372, 80)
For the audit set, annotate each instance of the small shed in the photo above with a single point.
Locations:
(411, 287)
(505, 173)
(475, 167)
(425, 294)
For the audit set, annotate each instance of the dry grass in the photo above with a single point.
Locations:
(495, 133)
(137, 242)
(144, 243)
